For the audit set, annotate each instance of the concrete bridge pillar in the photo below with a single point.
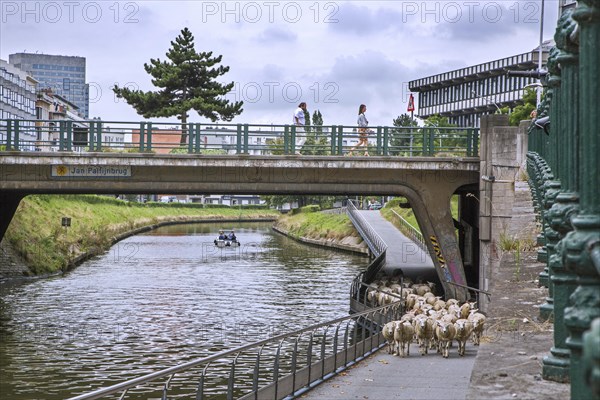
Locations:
(502, 154)
(435, 220)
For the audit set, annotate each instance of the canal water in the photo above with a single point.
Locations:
(160, 299)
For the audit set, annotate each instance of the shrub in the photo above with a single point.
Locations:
(311, 208)
(397, 202)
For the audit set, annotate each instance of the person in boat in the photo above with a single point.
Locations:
(231, 236)
(222, 235)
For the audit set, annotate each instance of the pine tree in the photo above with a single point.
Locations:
(187, 82)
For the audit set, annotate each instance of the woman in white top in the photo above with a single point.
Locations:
(363, 131)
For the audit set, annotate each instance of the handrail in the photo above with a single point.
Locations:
(411, 232)
(469, 288)
(374, 316)
(376, 244)
(228, 138)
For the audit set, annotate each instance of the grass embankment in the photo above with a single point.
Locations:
(315, 225)
(401, 206)
(37, 235)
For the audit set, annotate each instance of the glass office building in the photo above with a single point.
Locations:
(64, 75)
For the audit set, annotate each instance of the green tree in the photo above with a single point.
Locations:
(523, 111)
(187, 82)
(445, 139)
(316, 141)
(401, 139)
(317, 121)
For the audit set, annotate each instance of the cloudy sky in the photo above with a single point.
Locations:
(334, 55)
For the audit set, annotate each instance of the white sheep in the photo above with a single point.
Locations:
(403, 336)
(424, 327)
(445, 334)
(478, 320)
(464, 329)
(388, 334)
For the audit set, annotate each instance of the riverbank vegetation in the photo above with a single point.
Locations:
(401, 206)
(37, 235)
(308, 223)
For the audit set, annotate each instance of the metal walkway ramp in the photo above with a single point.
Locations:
(402, 253)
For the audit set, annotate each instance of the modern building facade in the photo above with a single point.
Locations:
(64, 75)
(465, 94)
(52, 108)
(17, 98)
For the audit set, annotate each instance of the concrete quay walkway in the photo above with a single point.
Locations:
(385, 376)
(402, 252)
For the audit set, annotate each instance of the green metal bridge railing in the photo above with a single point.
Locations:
(215, 139)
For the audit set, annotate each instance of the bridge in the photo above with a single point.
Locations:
(427, 166)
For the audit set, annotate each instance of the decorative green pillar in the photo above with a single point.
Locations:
(551, 189)
(591, 358)
(581, 255)
(556, 365)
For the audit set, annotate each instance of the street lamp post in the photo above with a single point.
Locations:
(540, 54)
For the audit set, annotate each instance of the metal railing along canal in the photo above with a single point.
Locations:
(283, 366)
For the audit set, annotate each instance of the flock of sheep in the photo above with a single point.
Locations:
(433, 322)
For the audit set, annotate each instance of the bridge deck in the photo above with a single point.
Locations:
(402, 253)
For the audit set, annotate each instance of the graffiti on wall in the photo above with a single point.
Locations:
(440, 257)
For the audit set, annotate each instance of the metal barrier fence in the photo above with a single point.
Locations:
(253, 139)
(335, 211)
(376, 244)
(274, 368)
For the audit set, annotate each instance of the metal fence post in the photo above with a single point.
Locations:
(61, 135)
(149, 137)
(191, 137)
(69, 135)
(293, 140)
(386, 139)
(286, 139)
(17, 134)
(9, 129)
(340, 138)
(197, 140)
(238, 142)
(431, 142)
(333, 139)
(246, 138)
(99, 136)
(92, 136)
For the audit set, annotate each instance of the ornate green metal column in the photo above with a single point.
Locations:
(591, 357)
(581, 256)
(551, 190)
(556, 365)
